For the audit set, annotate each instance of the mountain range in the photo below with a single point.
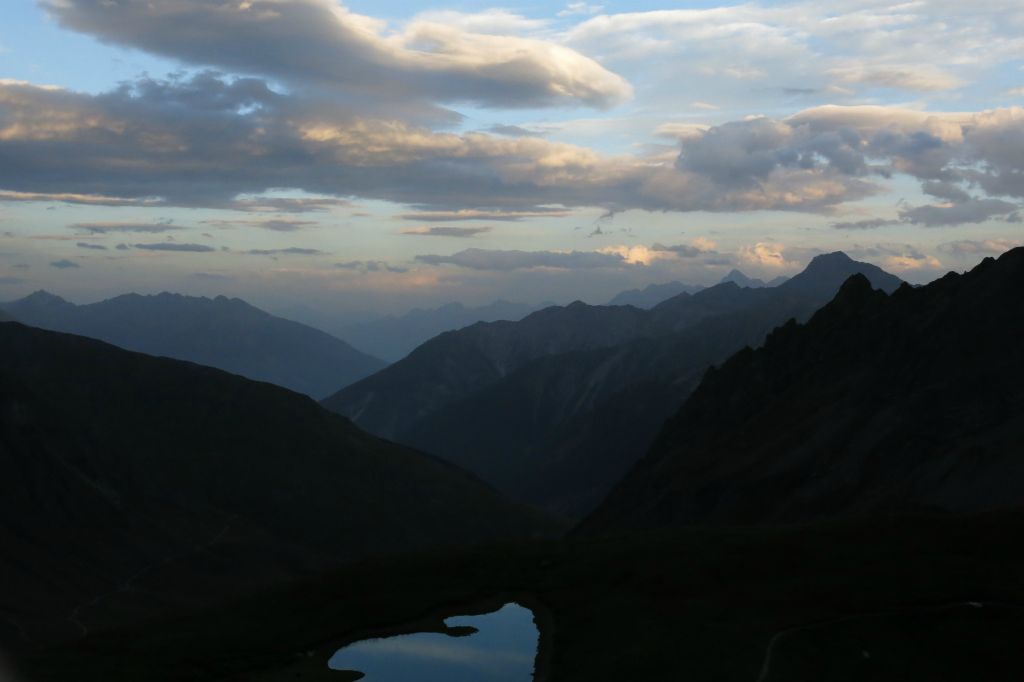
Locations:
(906, 403)
(220, 332)
(653, 294)
(132, 484)
(394, 336)
(554, 409)
(743, 280)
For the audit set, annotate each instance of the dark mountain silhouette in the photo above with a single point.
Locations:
(653, 294)
(225, 333)
(394, 337)
(880, 404)
(131, 484)
(560, 426)
(737, 277)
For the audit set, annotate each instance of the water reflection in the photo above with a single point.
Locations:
(503, 649)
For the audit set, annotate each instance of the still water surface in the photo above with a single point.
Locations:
(503, 650)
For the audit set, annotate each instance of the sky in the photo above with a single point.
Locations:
(379, 156)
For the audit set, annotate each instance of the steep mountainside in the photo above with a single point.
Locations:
(225, 333)
(130, 484)
(457, 364)
(560, 430)
(908, 402)
(653, 294)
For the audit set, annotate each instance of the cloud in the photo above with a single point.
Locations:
(984, 247)
(74, 198)
(291, 251)
(896, 257)
(64, 264)
(462, 232)
(680, 130)
(175, 246)
(322, 44)
(766, 254)
(186, 140)
(485, 214)
(94, 247)
(698, 247)
(287, 204)
(833, 46)
(970, 211)
(370, 266)
(212, 276)
(513, 131)
(274, 224)
(867, 224)
(108, 227)
(497, 260)
(577, 8)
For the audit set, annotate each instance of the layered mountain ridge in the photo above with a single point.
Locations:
(912, 402)
(221, 332)
(553, 410)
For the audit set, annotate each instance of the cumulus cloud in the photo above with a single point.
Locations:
(462, 232)
(64, 264)
(187, 140)
(175, 246)
(483, 259)
(766, 254)
(320, 43)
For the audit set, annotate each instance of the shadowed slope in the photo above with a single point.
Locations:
(913, 401)
(131, 484)
(560, 430)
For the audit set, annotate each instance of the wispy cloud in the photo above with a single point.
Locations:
(175, 246)
(460, 232)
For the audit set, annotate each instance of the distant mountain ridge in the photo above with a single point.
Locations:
(132, 485)
(394, 337)
(553, 411)
(653, 294)
(220, 332)
(912, 402)
(737, 277)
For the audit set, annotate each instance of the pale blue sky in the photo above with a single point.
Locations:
(668, 140)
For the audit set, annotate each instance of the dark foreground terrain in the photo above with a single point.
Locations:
(926, 598)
